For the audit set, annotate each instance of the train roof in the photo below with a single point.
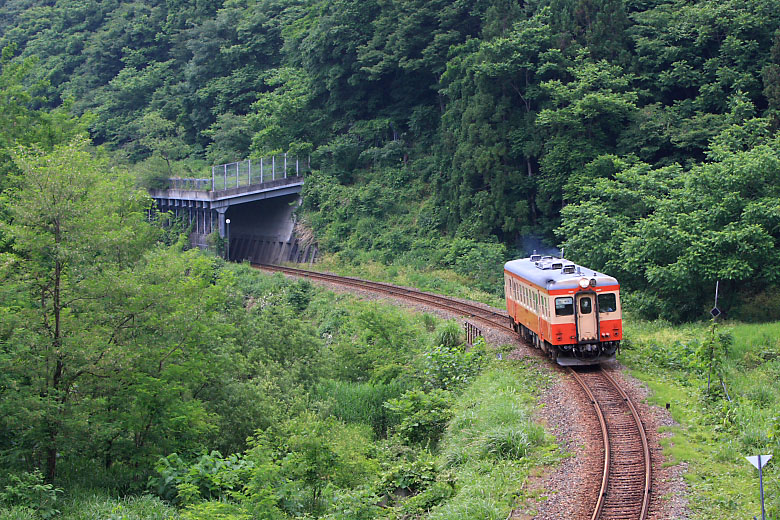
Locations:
(556, 273)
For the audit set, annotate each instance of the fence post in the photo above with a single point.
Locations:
(238, 167)
(285, 165)
(250, 171)
(212, 178)
(224, 184)
(297, 169)
(273, 167)
(261, 170)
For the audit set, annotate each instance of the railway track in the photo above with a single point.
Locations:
(493, 318)
(626, 465)
(626, 476)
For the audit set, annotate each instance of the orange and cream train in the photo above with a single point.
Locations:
(570, 312)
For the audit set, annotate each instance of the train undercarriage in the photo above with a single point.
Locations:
(588, 353)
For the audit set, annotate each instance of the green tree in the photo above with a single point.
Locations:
(73, 226)
(670, 234)
(162, 137)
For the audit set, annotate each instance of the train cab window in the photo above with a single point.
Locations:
(586, 306)
(607, 302)
(564, 306)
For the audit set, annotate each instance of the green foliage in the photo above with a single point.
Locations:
(449, 334)
(715, 432)
(449, 367)
(28, 490)
(422, 416)
(361, 402)
(498, 109)
(211, 476)
(672, 234)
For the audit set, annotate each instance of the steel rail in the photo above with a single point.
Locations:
(645, 446)
(644, 506)
(605, 436)
(442, 302)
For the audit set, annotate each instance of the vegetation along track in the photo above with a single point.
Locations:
(493, 318)
(625, 485)
(625, 488)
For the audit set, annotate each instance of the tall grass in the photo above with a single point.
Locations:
(492, 443)
(360, 402)
(96, 505)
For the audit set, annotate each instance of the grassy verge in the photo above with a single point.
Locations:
(738, 416)
(492, 445)
(440, 281)
(81, 505)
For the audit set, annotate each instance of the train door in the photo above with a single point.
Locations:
(587, 324)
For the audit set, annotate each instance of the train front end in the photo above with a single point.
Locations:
(573, 314)
(587, 324)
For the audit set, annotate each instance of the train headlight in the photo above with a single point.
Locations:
(584, 283)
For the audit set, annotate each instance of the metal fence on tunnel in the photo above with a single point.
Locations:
(246, 173)
(257, 171)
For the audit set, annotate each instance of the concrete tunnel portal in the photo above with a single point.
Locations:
(261, 217)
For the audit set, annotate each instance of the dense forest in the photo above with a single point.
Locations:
(640, 136)
(139, 378)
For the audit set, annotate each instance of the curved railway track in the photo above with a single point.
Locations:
(626, 478)
(495, 319)
(626, 475)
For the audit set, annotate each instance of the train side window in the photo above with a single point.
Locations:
(586, 306)
(564, 306)
(607, 302)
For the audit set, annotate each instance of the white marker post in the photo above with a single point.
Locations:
(759, 461)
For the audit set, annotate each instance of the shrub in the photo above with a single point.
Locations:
(28, 490)
(211, 476)
(422, 416)
(451, 367)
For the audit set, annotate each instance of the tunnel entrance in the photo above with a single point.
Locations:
(264, 232)
(255, 221)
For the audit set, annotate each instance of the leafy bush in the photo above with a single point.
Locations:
(28, 490)
(211, 476)
(355, 504)
(410, 472)
(422, 416)
(451, 367)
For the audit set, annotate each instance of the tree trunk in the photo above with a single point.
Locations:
(56, 379)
